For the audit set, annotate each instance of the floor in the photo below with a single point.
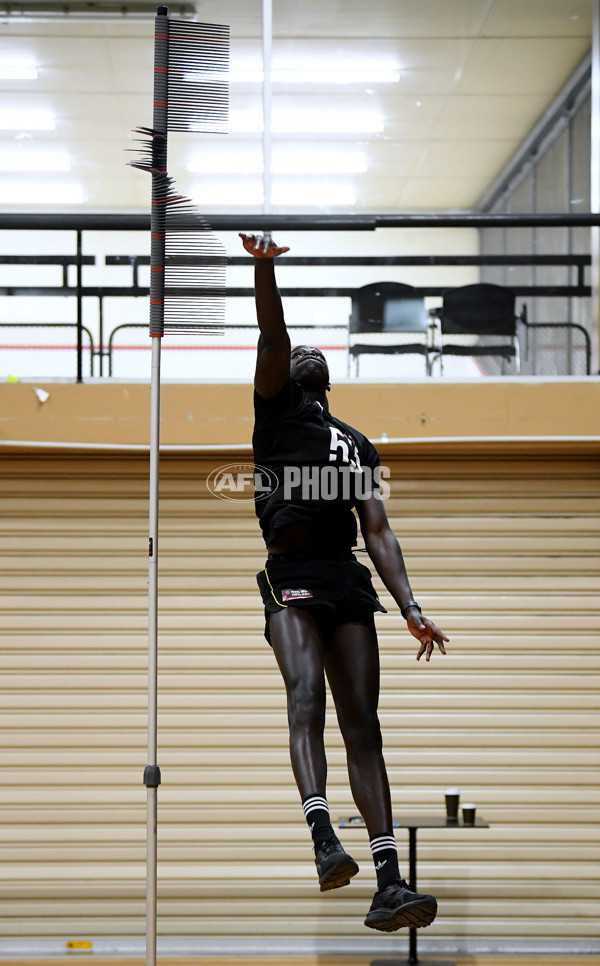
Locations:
(364, 960)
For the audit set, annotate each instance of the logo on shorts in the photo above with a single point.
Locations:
(242, 482)
(295, 594)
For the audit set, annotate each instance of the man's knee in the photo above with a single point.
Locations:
(362, 733)
(306, 707)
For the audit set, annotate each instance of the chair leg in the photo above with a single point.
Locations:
(436, 357)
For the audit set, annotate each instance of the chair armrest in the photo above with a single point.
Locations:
(569, 325)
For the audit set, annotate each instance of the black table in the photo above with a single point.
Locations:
(412, 823)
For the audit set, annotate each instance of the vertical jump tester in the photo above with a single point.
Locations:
(187, 295)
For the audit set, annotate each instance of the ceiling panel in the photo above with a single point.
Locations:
(456, 159)
(380, 18)
(509, 66)
(473, 78)
(490, 117)
(532, 18)
(431, 194)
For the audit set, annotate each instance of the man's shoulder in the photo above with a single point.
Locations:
(350, 429)
(290, 399)
(365, 445)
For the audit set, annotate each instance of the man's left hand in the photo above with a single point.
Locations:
(427, 634)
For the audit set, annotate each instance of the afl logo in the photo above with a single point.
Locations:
(242, 482)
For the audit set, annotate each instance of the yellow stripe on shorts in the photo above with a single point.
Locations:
(273, 592)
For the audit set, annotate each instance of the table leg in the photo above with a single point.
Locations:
(413, 959)
(412, 881)
(408, 962)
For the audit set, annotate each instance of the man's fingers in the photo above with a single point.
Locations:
(435, 632)
(262, 246)
(252, 240)
(427, 648)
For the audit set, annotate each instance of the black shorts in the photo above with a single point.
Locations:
(340, 587)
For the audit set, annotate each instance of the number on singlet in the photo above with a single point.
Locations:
(343, 449)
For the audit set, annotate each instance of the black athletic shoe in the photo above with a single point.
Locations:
(334, 866)
(396, 906)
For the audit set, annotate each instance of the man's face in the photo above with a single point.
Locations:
(308, 366)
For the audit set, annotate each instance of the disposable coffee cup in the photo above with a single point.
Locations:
(468, 813)
(452, 799)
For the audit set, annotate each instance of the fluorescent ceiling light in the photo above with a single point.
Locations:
(315, 122)
(34, 162)
(18, 73)
(295, 193)
(40, 193)
(321, 165)
(302, 75)
(26, 122)
(228, 193)
(310, 195)
(356, 123)
(228, 164)
(308, 75)
(247, 75)
(316, 163)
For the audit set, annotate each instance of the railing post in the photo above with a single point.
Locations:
(79, 311)
(595, 183)
(100, 336)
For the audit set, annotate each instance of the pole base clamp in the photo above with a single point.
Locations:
(151, 776)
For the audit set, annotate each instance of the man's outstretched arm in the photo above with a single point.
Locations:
(273, 355)
(384, 550)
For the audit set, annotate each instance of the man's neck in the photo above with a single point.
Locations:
(319, 396)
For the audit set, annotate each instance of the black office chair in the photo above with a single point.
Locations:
(485, 315)
(386, 310)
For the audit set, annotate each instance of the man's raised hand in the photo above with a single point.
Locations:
(261, 246)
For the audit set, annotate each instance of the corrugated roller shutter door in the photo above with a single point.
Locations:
(502, 552)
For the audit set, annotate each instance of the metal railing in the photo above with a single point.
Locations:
(102, 349)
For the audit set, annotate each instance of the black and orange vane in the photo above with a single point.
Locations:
(191, 93)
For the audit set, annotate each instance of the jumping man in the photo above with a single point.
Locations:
(319, 600)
